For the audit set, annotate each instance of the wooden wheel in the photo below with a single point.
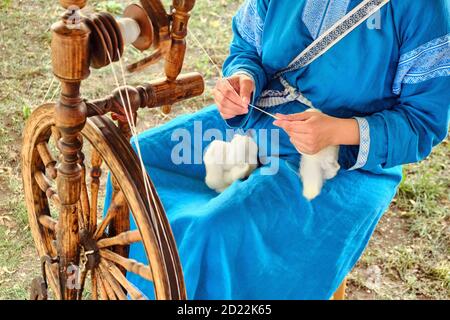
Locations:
(103, 238)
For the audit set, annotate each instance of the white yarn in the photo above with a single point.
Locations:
(130, 29)
(227, 162)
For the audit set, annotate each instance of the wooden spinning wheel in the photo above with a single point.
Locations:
(70, 146)
(106, 260)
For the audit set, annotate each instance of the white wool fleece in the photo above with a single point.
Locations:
(317, 168)
(227, 162)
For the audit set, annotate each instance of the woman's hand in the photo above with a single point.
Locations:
(232, 95)
(311, 132)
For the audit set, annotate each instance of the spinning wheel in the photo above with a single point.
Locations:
(69, 147)
(102, 250)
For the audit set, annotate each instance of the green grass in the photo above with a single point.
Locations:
(412, 242)
(113, 7)
(5, 4)
(406, 259)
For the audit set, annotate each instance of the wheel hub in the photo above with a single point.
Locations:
(90, 254)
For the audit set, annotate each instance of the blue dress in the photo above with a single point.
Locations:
(260, 238)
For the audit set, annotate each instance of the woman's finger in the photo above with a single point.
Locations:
(300, 137)
(225, 87)
(228, 106)
(302, 116)
(285, 125)
(282, 124)
(301, 147)
(292, 126)
(226, 116)
(246, 89)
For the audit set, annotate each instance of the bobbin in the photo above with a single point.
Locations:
(110, 35)
(136, 21)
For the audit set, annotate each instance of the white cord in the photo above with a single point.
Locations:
(148, 190)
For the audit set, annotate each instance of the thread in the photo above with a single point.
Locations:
(129, 115)
(219, 71)
(130, 29)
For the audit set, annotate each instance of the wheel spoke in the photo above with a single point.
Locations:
(101, 285)
(123, 239)
(47, 159)
(128, 264)
(115, 286)
(94, 287)
(56, 135)
(52, 274)
(115, 208)
(96, 172)
(109, 291)
(48, 222)
(45, 185)
(82, 282)
(134, 293)
(121, 222)
(84, 197)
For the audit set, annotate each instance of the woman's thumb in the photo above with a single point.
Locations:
(246, 88)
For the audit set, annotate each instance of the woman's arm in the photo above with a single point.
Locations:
(244, 61)
(408, 131)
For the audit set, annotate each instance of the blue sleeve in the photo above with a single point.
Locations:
(246, 50)
(408, 131)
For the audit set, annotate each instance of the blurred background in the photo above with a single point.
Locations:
(408, 257)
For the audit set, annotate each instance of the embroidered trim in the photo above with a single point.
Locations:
(327, 40)
(428, 61)
(336, 10)
(320, 15)
(364, 145)
(274, 93)
(313, 16)
(272, 98)
(274, 101)
(250, 25)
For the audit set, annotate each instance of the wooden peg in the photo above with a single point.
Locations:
(166, 109)
(67, 4)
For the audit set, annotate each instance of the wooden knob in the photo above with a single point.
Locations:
(73, 3)
(166, 109)
(184, 5)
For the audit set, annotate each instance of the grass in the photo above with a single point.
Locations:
(407, 258)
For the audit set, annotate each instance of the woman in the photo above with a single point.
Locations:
(384, 93)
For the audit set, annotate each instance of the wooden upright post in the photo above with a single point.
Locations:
(70, 59)
(175, 57)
